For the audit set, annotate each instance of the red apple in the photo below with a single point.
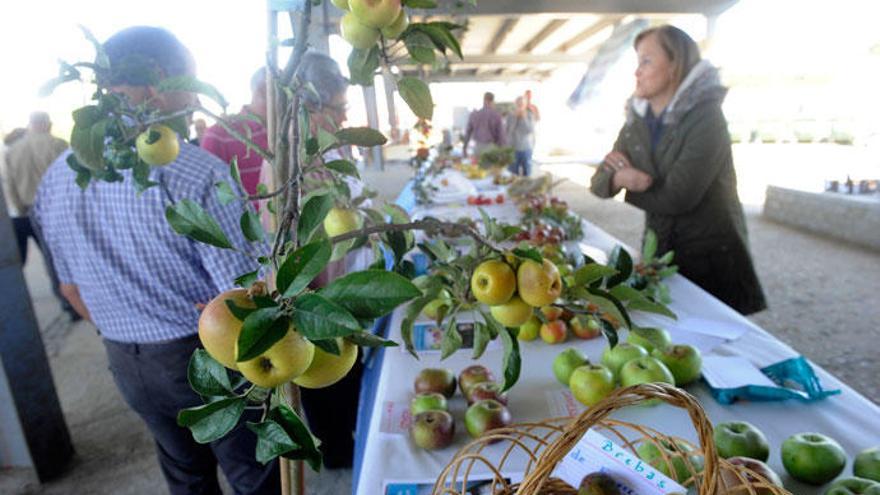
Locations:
(473, 375)
(487, 390)
(554, 332)
(438, 380)
(585, 327)
(730, 481)
(433, 429)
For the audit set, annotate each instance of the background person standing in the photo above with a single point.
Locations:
(485, 126)
(521, 135)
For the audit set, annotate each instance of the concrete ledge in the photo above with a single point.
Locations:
(850, 218)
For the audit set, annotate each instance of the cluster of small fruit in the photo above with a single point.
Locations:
(473, 171)
(367, 20)
(551, 216)
(480, 200)
(512, 294)
(541, 234)
(811, 458)
(433, 427)
(554, 327)
(648, 356)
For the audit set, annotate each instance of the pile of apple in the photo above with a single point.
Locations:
(648, 356)
(480, 200)
(433, 426)
(513, 293)
(367, 20)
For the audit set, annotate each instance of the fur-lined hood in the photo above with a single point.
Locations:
(702, 83)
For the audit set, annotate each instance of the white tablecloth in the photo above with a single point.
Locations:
(849, 418)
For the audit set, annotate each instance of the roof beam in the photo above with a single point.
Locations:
(542, 35)
(522, 58)
(504, 29)
(487, 76)
(591, 31)
(522, 7)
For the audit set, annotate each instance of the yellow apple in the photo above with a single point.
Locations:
(219, 328)
(513, 313)
(158, 145)
(493, 282)
(358, 35)
(375, 13)
(538, 284)
(285, 360)
(327, 369)
(341, 220)
(396, 28)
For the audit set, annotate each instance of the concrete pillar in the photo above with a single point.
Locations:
(375, 153)
(393, 120)
(32, 428)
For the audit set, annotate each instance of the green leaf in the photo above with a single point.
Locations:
(441, 34)
(591, 272)
(362, 65)
(626, 293)
(326, 140)
(83, 175)
(191, 85)
(188, 218)
(247, 279)
(512, 360)
(214, 420)
(451, 340)
(87, 137)
(235, 172)
(328, 345)
(67, 74)
(313, 213)
(240, 313)
(312, 146)
(141, 175)
(529, 253)
(482, 336)
(409, 319)
(302, 266)
(649, 246)
(650, 307)
(668, 271)
(272, 440)
(361, 136)
(251, 227)
(344, 167)
(370, 293)
(367, 339)
(420, 4)
(225, 195)
(259, 331)
(417, 95)
(207, 376)
(666, 258)
(318, 318)
(300, 435)
(610, 305)
(420, 47)
(609, 332)
(101, 58)
(623, 263)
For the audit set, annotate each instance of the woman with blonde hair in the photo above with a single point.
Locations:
(673, 158)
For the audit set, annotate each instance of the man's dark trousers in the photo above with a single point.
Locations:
(152, 379)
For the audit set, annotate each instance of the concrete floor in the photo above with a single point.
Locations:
(822, 295)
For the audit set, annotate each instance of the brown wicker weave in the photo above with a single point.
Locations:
(547, 442)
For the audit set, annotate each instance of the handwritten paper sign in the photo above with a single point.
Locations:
(396, 418)
(595, 453)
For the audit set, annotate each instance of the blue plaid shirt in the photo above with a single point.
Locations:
(139, 279)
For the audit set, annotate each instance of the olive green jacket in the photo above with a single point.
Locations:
(692, 204)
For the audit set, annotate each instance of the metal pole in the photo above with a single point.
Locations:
(393, 120)
(373, 121)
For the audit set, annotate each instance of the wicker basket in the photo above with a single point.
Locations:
(545, 444)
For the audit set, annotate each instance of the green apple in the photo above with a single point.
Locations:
(493, 282)
(554, 332)
(741, 439)
(284, 361)
(678, 463)
(158, 145)
(438, 306)
(341, 221)
(356, 34)
(375, 13)
(529, 330)
(684, 361)
(432, 430)
(591, 383)
(867, 464)
(645, 370)
(473, 375)
(650, 338)
(484, 416)
(732, 483)
(615, 357)
(566, 362)
(431, 401)
(396, 28)
(439, 380)
(854, 486)
(813, 458)
(513, 313)
(341, 4)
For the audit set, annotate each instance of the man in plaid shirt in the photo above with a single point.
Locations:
(122, 267)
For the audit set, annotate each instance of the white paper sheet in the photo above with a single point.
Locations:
(733, 372)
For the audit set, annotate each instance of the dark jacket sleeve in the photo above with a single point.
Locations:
(705, 152)
(600, 184)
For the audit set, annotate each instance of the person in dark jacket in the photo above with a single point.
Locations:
(674, 160)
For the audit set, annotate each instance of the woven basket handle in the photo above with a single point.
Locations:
(620, 398)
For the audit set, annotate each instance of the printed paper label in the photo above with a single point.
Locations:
(396, 418)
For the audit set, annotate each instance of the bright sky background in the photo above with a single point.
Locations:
(785, 58)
